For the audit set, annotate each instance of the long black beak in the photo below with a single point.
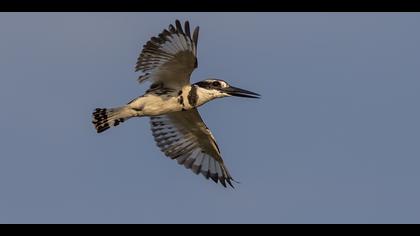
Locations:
(240, 92)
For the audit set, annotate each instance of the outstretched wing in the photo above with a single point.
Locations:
(171, 57)
(184, 136)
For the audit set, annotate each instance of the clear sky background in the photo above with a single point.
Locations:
(334, 139)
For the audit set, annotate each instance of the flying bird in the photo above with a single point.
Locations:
(171, 102)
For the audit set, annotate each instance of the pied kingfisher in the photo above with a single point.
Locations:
(171, 103)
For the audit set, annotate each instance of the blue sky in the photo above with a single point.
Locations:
(335, 138)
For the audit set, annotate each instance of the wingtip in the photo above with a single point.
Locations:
(230, 183)
(214, 178)
(195, 35)
(179, 26)
(187, 28)
(223, 182)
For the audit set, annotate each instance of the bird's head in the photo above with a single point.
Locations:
(216, 88)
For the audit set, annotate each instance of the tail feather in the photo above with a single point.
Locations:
(104, 118)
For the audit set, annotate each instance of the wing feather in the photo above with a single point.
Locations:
(184, 136)
(170, 57)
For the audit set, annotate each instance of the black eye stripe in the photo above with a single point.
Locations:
(209, 84)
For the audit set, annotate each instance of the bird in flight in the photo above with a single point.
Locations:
(171, 102)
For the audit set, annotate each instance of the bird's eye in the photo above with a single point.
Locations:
(216, 83)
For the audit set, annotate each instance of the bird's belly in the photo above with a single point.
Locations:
(160, 109)
(156, 105)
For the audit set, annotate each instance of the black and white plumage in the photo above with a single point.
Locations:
(184, 136)
(171, 57)
(171, 103)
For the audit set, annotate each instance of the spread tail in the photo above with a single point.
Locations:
(104, 118)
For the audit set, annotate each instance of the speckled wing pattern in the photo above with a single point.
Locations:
(184, 136)
(171, 57)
